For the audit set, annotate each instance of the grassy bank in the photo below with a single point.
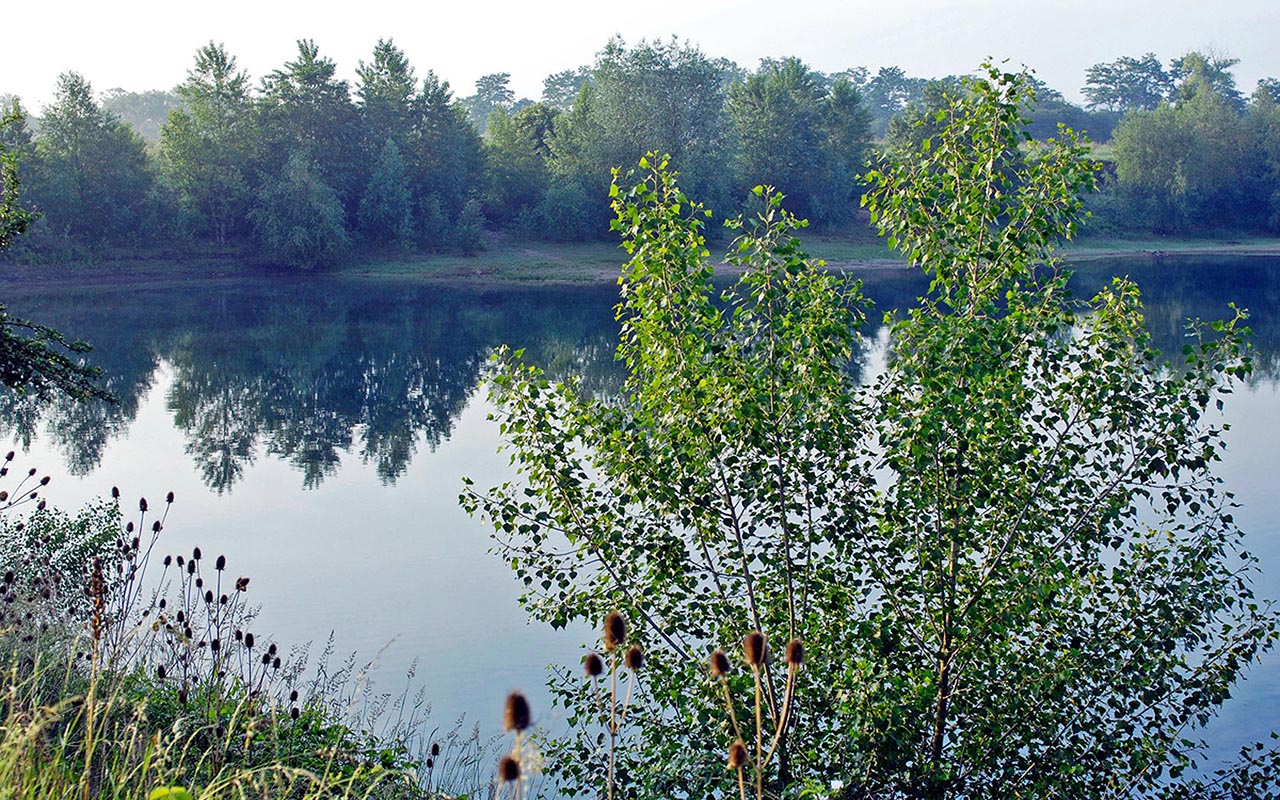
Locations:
(510, 261)
(125, 674)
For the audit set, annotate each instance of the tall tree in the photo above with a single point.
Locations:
(795, 135)
(387, 92)
(1009, 561)
(449, 150)
(517, 170)
(307, 110)
(1184, 166)
(208, 146)
(1264, 127)
(1197, 71)
(299, 218)
(492, 93)
(35, 359)
(888, 94)
(656, 95)
(91, 178)
(386, 207)
(1127, 84)
(14, 140)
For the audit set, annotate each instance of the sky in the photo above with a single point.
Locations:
(149, 44)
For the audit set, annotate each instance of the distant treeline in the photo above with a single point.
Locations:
(302, 169)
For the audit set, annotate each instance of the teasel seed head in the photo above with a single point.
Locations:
(160, 672)
(517, 716)
(248, 640)
(795, 652)
(753, 648)
(720, 665)
(169, 497)
(615, 631)
(634, 659)
(509, 769)
(293, 696)
(115, 492)
(594, 665)
(737, 755)
(431, 762)
(435, 749)
(196, 554)
(293, 713)
(220, 564)
(142, 504)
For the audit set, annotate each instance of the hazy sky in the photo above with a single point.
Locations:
(148, 44)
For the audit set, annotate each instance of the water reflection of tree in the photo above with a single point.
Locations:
(1177, 289)
(316, 372)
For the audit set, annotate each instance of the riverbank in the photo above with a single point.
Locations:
(508, 261)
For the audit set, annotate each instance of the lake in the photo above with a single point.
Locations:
(315, 431)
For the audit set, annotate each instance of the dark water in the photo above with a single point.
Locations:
(315, 431)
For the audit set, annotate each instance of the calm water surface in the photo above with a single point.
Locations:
(315, 431)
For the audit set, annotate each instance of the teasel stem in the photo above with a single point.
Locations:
(613, 715)
(728, 704)
(755, 671)
(786, 712)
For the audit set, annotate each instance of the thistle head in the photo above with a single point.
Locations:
(509, 769)
(753, 648)
(517, 716)
(720, 665)
(737, 755)
(795, 652)
(615, 631)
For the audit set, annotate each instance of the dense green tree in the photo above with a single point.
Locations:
(923, 117)
(449, 151)
(306, 109)
(1269, 86)
(1264, 128)
(1196, 70)
(208, 147)
(1184, 165)
(655, 95)
(796, 135)
(299, 218)
(1010, 562)
(385, 215)
(14, 140)
(387, 93)
(517, 171)
(90, 179)
(1127, 84)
